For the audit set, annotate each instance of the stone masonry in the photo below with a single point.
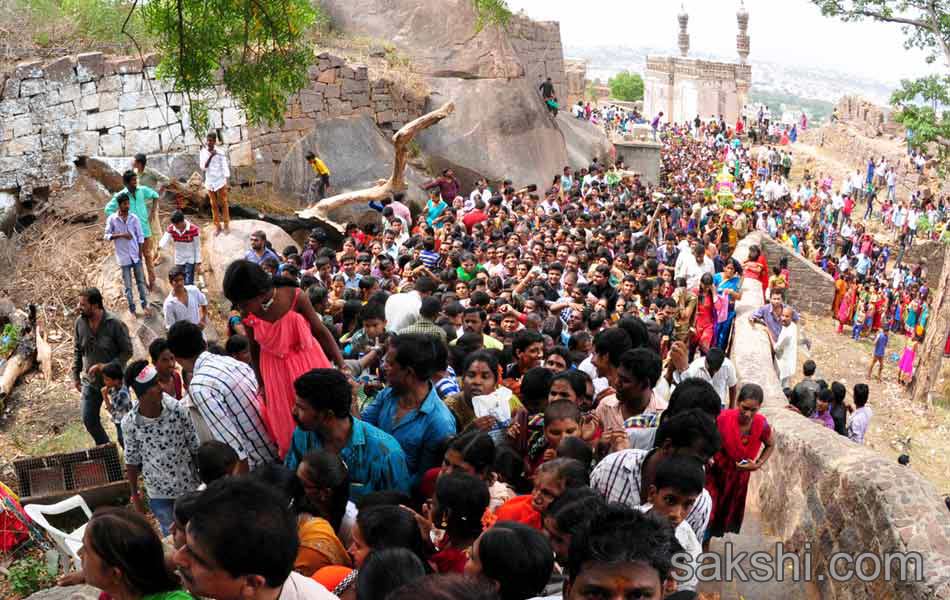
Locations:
(812, 290)
(821, 494)
(538, 46)
(53, 112)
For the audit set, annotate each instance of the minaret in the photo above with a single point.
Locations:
(742, 40)
(683, 18)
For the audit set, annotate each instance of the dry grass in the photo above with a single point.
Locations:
(262, 197)
(382, 58)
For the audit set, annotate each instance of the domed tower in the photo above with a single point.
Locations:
(683, 19)
(742, 40)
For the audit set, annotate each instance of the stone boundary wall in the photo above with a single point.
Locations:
(871, 119)
(812, 290)
(575, 73)
(821, 493)
(538, 47)
(91, 104)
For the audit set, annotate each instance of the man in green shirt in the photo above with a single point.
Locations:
(141, 200)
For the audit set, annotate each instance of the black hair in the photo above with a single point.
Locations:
(156, 348)
(576, 448)
(127, 178)
(636, 330)
(125, 540)
(383, 498)
(235, 518)
(518, 557)
(809, 367)
(477, 449)
(244, 280)
(215, 460)
(686, 428)
(184, 504)
(535, 387)
(510, 467)
(612, 343)
(693, 392)
(417, 352)
(328, 471)
(684, 474)
(751, 391)
(462, 499)
(373, 311)
(622, 535)
(430, 308)
(141, 159)
(178, 217)
(860, 394)
(575, 507)
(575, 378)
(390, 526)
(112, 370)
(572, 473)
(826, 395)
(715, 358)
(840, 392)
(561, 409)
(186, 340)
(489, 357)
(385, 571)
(236, 343)
(446, 587)
(644, 364)
(93, 296)
(132, 371)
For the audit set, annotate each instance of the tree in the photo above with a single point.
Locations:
(256, 49)
(926, 25)
(626, 86)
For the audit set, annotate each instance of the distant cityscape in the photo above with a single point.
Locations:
(814, 89)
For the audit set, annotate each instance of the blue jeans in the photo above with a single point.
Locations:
(127, 271)
(91, 403)
(189, 273)
(164, 511)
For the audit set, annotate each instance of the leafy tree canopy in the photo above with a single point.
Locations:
(626, 86)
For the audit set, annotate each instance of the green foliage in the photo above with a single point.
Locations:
(494, 12)
(626, 86)
(88, 20)
(918, 103)
(9, 339)
(817, 110)
(29, 575)
(256, 48)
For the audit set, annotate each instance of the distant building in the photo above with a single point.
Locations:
(683, 87)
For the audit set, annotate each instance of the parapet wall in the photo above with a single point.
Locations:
(822, 494)
(811, 290)
(53, 112)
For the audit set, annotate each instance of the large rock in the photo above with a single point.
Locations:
(439, 37)
(73, 592)
(500, 130)
(584, 141)
(218, 251)
(357, 154)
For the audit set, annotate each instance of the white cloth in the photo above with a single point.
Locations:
(724, 378)
(691, 546)
(185, 252)
(298, 587)
(786, 351)
(217, 171)
(402, 310)
(176, 311)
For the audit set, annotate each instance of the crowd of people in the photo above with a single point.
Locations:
(512, 394)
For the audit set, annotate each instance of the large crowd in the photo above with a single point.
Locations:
(510, 394)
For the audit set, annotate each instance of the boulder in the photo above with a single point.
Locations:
(357, 154)
(439, 37)
(8, 211)
(72, 592)
(584, 141)
(500, 130)
(218, 251)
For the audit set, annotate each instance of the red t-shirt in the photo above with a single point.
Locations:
(519, 509)
(473, 218)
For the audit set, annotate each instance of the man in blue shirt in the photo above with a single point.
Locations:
(375, 459)
(771, 314)
(142, 203)
(259, 251)
(410, 408)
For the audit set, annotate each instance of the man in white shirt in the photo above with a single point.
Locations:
(217, 173)
(692, 265)
(232, 522)
(402, 310)
(716, 368)
(786, 348)
(481, 192)
(184, 302)
(861, 418)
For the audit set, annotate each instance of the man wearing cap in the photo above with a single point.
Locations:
(320, 186)
(160, 444)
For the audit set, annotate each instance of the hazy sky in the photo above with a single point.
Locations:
(786, 31)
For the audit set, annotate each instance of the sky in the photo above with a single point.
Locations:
(785, 31)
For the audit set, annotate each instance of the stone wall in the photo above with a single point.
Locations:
(575, 72)
(53, 112)
(820, 494)
(871, 119)
(812, 290)
(932, 252)
(537, 44)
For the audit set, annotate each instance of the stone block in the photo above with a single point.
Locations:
(231, 135)
(301, 124)
(124, 66)
(6, 134)
(214, 118)
(90, 102)
(134, 119)
(29, 70)
(362, 72)
(311, 101)
(174, 99)
(386, 116)
(341, 109)
(66, 93)
(11, 108)
(233, 117)
(158, 117)
(335, 61)
(132, 83)
(144, 140)
(61, 69)
(171, 138)
(29, 144)
(332, 91)
(135, 100)
(240, 155)
(88, 88)
(85, 143)
(347, 72)
(102, 120)
(21, 126)
(313, 71)
(111, 83)
(358, 100)
(351, 86)
(90, 65)
(108, 101)
(32, 87)
(11, 89)
(328, 77)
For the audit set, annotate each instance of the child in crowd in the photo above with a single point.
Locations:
(679, 481)
(561, 419)
(777, 282)
(880, 350)
(238, 347)
(906, 365)
(164, 361)
(116, 396)
(216, 460)
(373, 318)
(187, 239)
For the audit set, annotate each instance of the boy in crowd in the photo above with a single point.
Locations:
(124, 230)
(187, 239)
(116, 396)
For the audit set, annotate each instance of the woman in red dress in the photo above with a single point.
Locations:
(746, 445)
(756, 267)
(705, 324)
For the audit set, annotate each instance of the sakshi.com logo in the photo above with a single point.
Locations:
(780, 565)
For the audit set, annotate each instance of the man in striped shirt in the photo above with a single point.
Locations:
(224, 391)
(626, 475)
